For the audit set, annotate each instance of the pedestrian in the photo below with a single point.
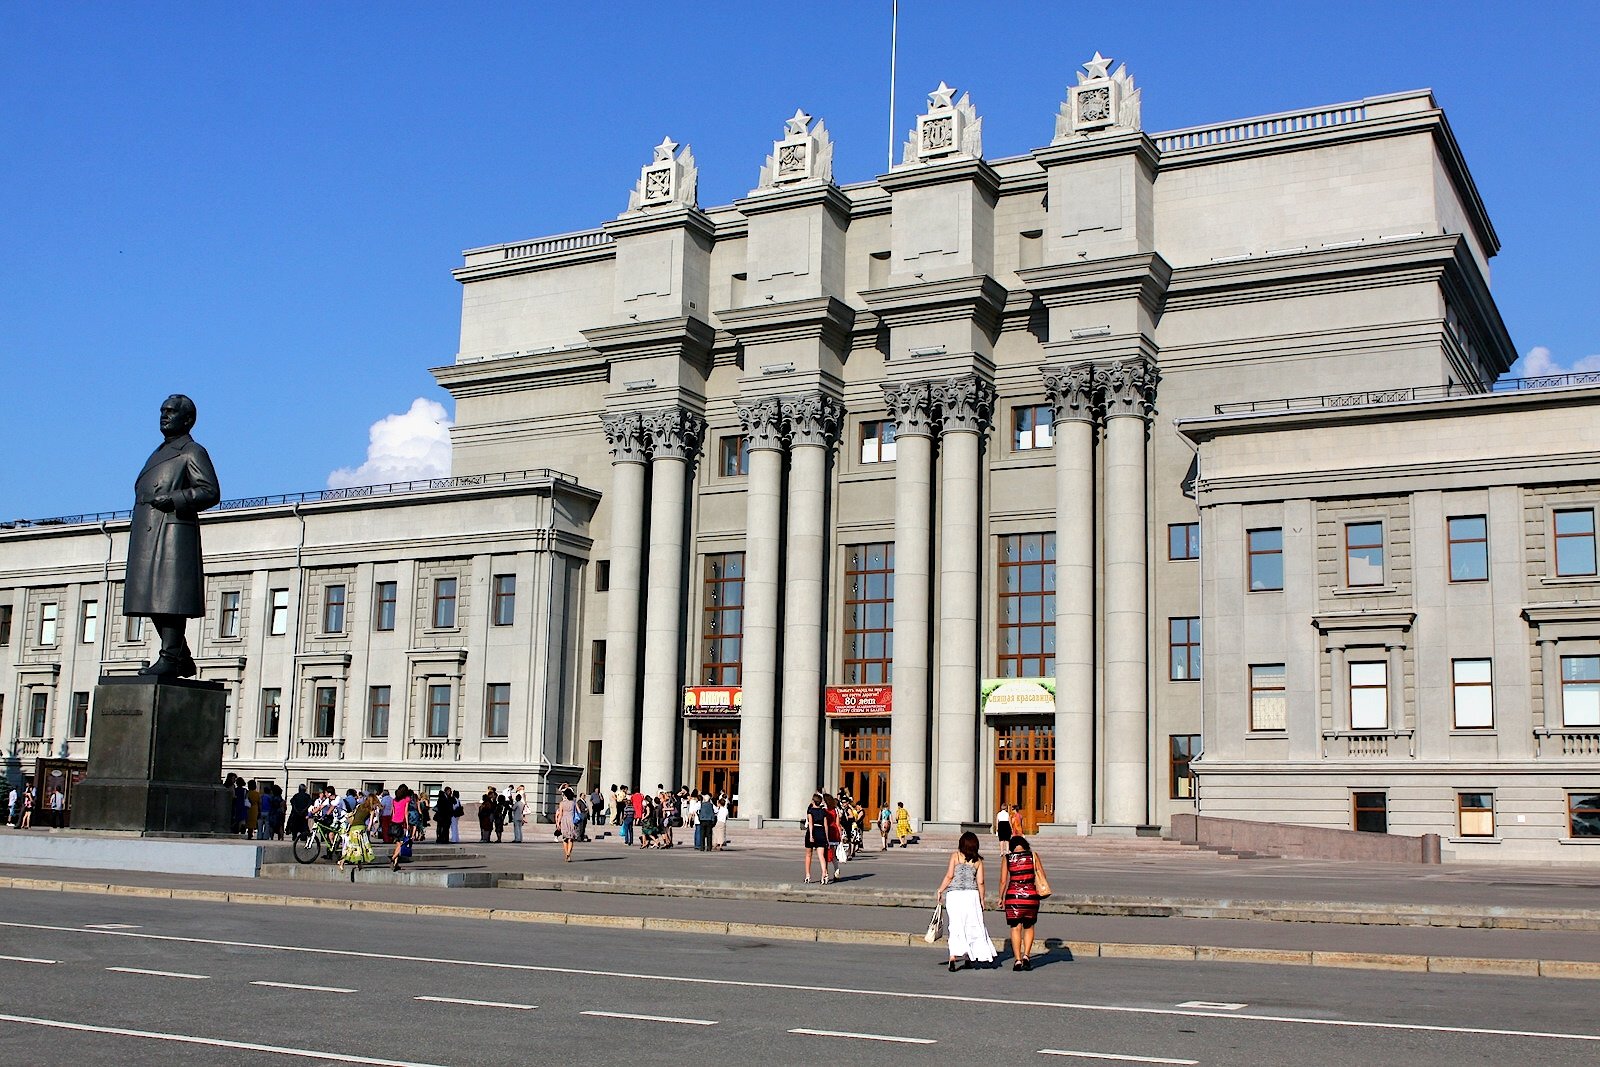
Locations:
(580, 816)
(706, 821)
(264, 822)
(502, 810)
(566, 822)
(884, 818)
(719, 836)
(400, 812)
(519, 811)
(597, 807)
(299, 823)
(241, 805)
(816, 840)
(902, 823)
(456, 811)
(58, 808)
(962, 894)
(443, 810)
(252, 816)
(486, 808)
(27, 809)
(280, 812)
(625, 813)
(1019, 895)
(358, 833)
(385, 816)
(1002, 828)
(835, 834)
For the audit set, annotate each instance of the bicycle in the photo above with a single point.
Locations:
(323, 838)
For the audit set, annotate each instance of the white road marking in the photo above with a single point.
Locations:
(649, 1018)
(112, 926)
(187, 1039)
(26, 959)
(788, 987)
(1112, 1056)
(308, 988)
(865, 1037)
(477, 1003)
(1212, 1005)
(160, 974)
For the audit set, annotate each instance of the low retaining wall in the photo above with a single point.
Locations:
(129, 852)
(1303, 842)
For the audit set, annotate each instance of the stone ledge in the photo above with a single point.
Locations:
(1373, 961)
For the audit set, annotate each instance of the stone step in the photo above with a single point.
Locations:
(458, 877)
(283, 852)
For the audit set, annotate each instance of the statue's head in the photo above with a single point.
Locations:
(177, 415)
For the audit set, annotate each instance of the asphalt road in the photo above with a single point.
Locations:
(138, 981)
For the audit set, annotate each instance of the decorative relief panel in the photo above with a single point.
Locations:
(804, 155)
(670, 178)
(946, 130)
(1100, 101)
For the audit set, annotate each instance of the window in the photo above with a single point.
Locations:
(1183, 748)
(1575, 542)
(385, 596)
(602, 575)
(722, 620)
(1184, 641)
(503, 607)
(1469, 548)
(1477, 814)
(1472, 681)
(1183, 540)
(1269, 701)
(1583, 814)
(1363, 553)
(444, 603)
(1266, 559)
(228, 615)
(89, 624)
(327, 704)
(869, 614)
(497, 711)
(733, 455)
(877, 441)
(1371, 811)
(378, 711)
(438, 711)
(78, 727)
(49, 616)
(1580, 690)
(1032, 427)
(271, 712)
(133, 629)
(1028, 606)
(278, 613)
(38, 711)
(1369, 696)
(333, 609)
(5, 625)
(597, 667)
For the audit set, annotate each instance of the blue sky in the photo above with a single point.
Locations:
(260, 204)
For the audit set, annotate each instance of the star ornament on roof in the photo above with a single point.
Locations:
(797, 126)
(665, 149)
(939, 99)
(1098, 66)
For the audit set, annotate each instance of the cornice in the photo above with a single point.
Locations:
(679, 217)
(685, 337)
(509, 374)
(922, 175)
(1345, 621)
(1134, 143)
(976, 296)
(1145, 275)
(826, 318)
(1541, 614)
(533, 264)
(793, 198)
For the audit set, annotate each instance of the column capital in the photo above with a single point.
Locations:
(911, 407)
(1072, 393)
(814, 419)
(674, 433)
(625, 434)
(965, 404)
(763, 423)
(1129, 387)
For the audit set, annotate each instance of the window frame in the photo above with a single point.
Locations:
(277, 613)
(1026, 663)
(1463, 809)
(1041, 423)
(38, 714)
(1179, 781)
(7, 617)
(1357, 809)
(333, 608)
(78, 718)
(503, 600)
(882, 433)
(859, 670)
(733, 455)
(1591, 809)
(228, 614)
(274, 705)
(1591, 684)
(377, 707)
(1557, 537)
(716, 667)
(433, 708)
(1452, 541)
(597, 666)
(497, 701)
(1351, 547)
(1191, 541)
(1457, 685)
(1191, 647)
(1251, 553)
(385, 605)
(602, 576)
(325, 706)
(443, 603)
(1352, 687)
(1256, 688)
(49, 624)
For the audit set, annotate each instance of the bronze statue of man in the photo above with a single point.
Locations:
(166, 580)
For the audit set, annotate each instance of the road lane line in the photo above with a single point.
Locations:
(160, 974)
(1121, 1058)
(111, 926)
(477, 1003)
(1213, 1005)
(212, 1042)
(26, 959)
(865, 1037)
(649, 1018)
(790, 987)
(307, 988)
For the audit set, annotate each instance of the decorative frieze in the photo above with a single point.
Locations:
(674, 433)
(1128, 387)
(763, 423)
(965, 404)
(1099, 102)
(1072, 392)
(813, 419)
(946, 130)
(625, 434)
(911, 406)
(804, 155)
(670, 178)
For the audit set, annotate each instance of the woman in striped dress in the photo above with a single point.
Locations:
(1019, 895)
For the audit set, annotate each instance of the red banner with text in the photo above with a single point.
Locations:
(843, 701)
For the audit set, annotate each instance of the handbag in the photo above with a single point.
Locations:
(1041, 883)
(934, 922)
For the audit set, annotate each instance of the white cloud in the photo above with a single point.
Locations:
(1537, 362)
(403, 448)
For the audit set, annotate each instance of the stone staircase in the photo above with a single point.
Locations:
(434, 866)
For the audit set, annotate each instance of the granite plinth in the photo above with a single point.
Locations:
(155, 758)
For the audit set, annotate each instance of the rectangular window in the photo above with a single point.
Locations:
(1575, 542)
(1477, 814)
(1032, 427)
(38, 712)
(228, 615)
(1371, 812)
(597, 667)
(602, 575)
(1028, 606)
(1269, 699)
(1580, 690)
(278, 613)
(438, 711)
(333, 609)
(497, 710)
(133, 628)
(503, 608)
(1583, 814)
(1184, 643)
(1369, 696)
(733, 455)
(1363, 553)
(869, 614)
(1183, 540)
(1182, 748)
(271, 711)
(49, 618)
(89, 623)
(1473, 683)
(1265, 559)
(78, 728)
(385, 597)
(722, 620)
(5, 625)
(444, 603)
(326, 706)
(877, 441)
(378, 711)
(1469, 548)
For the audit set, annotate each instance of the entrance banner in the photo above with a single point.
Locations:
(1019, 696)
(712, 701)
(847, 701)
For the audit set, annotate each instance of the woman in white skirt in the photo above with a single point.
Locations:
(962, 893)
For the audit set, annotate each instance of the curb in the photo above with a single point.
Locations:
(1526, 968)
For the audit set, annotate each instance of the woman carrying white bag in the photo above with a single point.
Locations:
(962, 895)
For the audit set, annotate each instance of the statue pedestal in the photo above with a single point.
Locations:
(155, 758)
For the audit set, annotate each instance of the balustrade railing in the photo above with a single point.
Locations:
(437, 750)
(33, 747)
(323, 749)
(1565, 742)
(1368, 397)
(561, 242)
(1254, 129)
(1368, 744)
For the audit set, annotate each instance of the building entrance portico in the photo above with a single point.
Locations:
(716, 767)
(864, 764)
(1025, 772)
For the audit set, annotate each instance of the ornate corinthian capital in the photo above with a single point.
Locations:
(763, 423)
(626, 436)
(965, 404)
(813, 419)
(1129, 386)
(911, 407)
(1072, 393)
(675, 433)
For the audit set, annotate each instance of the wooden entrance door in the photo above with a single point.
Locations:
(1025, 771)
(864, 764)
(716, 767)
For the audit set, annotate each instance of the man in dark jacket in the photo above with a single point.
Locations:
(443, 810)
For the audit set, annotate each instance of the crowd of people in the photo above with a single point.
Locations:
(649, 820)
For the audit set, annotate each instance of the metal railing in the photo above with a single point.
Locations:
(1422, 392)
(1253, 129)
(561, 242)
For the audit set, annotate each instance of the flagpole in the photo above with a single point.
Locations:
(894, 41)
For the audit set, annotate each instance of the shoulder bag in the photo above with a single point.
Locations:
(1040, 882)
(934, 923)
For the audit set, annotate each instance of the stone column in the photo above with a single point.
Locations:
(629, 454)
(763, 425)
(910, 404)
(813, 428)
(675, 436)
(965, 405)
(1073, 406)
(1129, 391)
